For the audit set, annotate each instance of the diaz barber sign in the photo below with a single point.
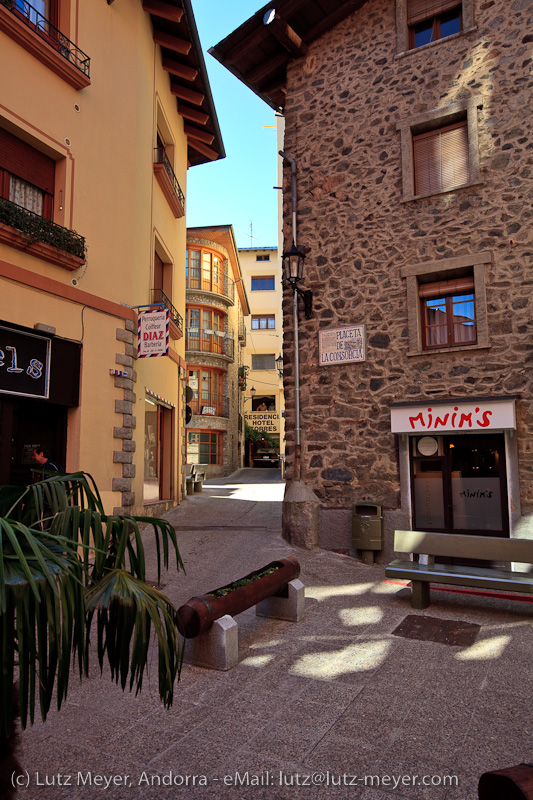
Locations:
(153, 333)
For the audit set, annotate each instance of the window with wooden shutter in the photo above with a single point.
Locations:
(430, 20)
(27, 176)
(441, 159)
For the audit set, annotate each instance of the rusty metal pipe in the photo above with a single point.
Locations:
(198, 614)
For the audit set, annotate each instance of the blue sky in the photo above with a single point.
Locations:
(238, 189)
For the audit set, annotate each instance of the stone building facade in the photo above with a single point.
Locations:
(434, 426)
(216, 304)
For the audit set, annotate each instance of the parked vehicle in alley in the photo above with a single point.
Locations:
(266, 457)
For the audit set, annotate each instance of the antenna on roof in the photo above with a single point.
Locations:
(251, 232)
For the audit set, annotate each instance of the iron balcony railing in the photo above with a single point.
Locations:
(195, 281)
(49, 33)
(200, 341)
(242, 332)
(160, 157)
(158, 296)
(40, 229)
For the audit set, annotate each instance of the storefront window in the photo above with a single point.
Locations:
(461, 486)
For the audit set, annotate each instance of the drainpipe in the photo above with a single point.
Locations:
(297, 442)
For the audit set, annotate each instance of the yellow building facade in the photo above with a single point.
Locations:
(265, 403)
(105, 108)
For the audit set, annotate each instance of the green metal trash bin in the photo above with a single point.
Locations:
(367, 530)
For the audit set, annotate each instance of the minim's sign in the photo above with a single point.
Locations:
(479, 416)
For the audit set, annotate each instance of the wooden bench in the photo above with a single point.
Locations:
(483, 548)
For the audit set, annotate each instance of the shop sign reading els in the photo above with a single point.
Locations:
(24, 363)
(153, 333)
(342, 345)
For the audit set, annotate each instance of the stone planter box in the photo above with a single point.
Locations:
(198, 614)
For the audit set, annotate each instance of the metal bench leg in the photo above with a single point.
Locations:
(420, 594)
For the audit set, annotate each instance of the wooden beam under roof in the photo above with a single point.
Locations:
(204, 150)
(246, 45)
(263, 70)
(285, 35)
(184, 93)
(193, 114)
(196, 133)
(180, 70)
(172, 42)
(163, 10)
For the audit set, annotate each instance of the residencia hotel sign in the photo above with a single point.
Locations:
(482, 415)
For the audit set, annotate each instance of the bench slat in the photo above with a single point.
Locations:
(462, 576)
(490, 548)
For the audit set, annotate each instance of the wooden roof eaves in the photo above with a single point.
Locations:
(204, 77)
(265, 97)
(253, 30)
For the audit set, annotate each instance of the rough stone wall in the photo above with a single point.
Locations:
(344, 101)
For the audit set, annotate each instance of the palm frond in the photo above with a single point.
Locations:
(127, 609)
(41, 602)
(62, 562)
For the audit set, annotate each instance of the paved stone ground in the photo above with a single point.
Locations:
(313, 707)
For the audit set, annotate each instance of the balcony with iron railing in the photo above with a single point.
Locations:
(37, 235)
(33, 31)
(209, 404)
(194, 281)
(215, 342)
(168, 182)
(176, 320)
(242, 332)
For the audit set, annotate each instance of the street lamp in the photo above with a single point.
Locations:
(252, 394)
(293, 264)
(279, 365)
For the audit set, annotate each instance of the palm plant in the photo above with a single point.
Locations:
(64, 563)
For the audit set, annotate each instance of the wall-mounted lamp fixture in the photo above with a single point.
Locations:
(279, 365)
(252, 394)
(293, 267)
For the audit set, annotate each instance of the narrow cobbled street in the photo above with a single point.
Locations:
(335, 706)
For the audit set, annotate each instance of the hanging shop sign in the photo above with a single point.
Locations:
(482, 415)
(24, 363)
(342, 345)
(153, 333)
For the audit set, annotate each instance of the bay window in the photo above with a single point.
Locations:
(204, 270)
(205, 330)
(207, 389)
